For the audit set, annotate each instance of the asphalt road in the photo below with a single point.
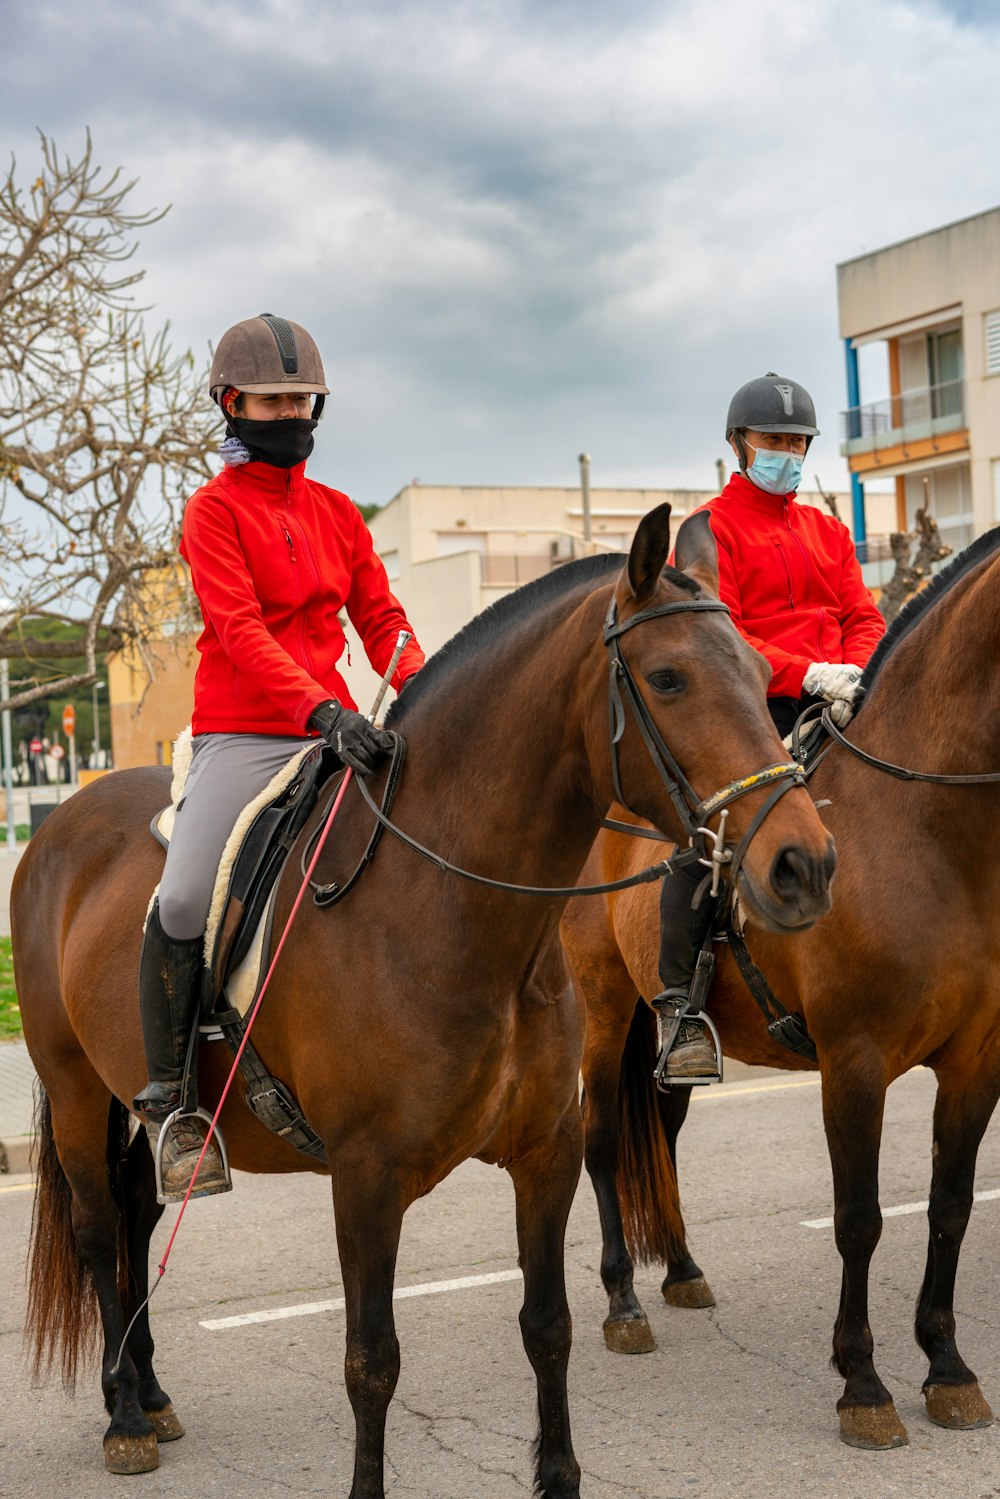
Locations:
(737, 1401)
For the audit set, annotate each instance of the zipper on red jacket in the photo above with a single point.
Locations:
(307, 660)
(788, 572)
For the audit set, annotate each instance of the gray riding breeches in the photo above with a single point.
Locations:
(227, 772)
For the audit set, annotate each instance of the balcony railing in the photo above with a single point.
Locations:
(913, 414)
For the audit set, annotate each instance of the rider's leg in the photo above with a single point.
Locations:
(227, 772)
(686, 909)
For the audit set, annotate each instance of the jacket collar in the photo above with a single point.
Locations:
(264, 479)
(743, 491)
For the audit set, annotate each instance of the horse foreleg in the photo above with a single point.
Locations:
(684, 1284)
(368, 1226)
(626, 1328)
(142, 1213)
(951, 1390)
(544, 1184)
(853, 1103)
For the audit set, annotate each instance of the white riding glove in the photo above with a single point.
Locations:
(837, 683)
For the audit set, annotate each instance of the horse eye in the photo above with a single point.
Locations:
(666, 681)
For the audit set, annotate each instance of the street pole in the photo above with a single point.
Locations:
(585, 491)
(97, 728)
(8, 757)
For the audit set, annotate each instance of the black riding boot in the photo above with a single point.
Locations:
(170, 977)
(685, 973)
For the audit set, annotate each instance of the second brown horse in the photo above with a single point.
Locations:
(904, 972)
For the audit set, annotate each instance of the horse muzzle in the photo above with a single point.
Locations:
(797, 893)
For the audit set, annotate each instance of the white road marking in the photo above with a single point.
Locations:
(18, 1187)
(311, 1308)
(738, 1090)
(902, 1209)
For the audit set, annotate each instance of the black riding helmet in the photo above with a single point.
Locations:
(771, 403)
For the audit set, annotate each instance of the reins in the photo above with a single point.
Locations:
(900, 771)
(693, 812)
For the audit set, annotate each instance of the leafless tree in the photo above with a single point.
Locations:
(103, 428)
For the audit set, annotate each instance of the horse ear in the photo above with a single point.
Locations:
(650, 550)
(696, 552)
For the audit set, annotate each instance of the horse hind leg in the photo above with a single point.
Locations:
(684, 1284)
(141, 1214)
(626, 1327)
(544, 1186)
(75, 1260)
(951, 1390)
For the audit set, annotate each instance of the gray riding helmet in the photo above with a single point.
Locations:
(772, 403)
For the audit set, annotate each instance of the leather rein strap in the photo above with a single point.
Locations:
(899, 771)
(693, 813)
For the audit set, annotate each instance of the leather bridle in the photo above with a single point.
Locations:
(693, 813)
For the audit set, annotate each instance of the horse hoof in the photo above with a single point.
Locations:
(131, 1454)
(634, 1336)
(875, 1427)
(959, 1406)
(691, 1293)
(166, 1424)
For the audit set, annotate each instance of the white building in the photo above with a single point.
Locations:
(921, 322)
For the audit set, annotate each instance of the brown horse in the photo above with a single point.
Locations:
(904, 972)
(424, 1021)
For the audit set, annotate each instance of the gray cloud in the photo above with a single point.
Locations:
(519, 229)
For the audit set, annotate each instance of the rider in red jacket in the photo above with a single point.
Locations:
(274, 558)
(791, 578)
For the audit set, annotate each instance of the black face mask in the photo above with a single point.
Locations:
(282, 444)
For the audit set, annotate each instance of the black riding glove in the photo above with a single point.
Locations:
(358, 743)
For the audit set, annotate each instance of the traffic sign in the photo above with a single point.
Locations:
(57, 752)
(69, 719)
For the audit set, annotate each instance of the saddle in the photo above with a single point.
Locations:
(238, 934)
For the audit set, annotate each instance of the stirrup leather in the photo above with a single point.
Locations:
(670, 1015)
(217, 1140)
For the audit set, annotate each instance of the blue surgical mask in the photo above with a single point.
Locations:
(775, 472)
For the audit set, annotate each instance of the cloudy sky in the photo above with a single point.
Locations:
(520, 228)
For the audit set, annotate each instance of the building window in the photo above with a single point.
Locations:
(947, 491)
(992, 322)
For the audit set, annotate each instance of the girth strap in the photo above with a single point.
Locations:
(788, 1029)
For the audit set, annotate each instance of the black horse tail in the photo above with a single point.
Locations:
(646, 1179)
(63, 1319)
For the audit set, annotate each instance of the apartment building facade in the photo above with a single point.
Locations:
(930, 306)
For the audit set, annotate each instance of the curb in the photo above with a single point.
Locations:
(15, 1154)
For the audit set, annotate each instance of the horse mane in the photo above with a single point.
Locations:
(917, 606)
(485, 629)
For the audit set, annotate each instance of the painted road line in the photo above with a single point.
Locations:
(903, 1209)
(737, 1090)
(311, 1308)
(19, 1187)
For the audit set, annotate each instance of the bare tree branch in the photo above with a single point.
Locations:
(104, 429)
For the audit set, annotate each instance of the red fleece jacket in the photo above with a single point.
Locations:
(274, 557)
(791, 578)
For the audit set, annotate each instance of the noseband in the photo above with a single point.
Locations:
(692, 812)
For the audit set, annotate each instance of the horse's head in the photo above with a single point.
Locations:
(682, 675)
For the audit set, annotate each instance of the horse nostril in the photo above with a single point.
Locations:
(790, 872)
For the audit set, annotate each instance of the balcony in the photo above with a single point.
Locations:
(900, 421)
